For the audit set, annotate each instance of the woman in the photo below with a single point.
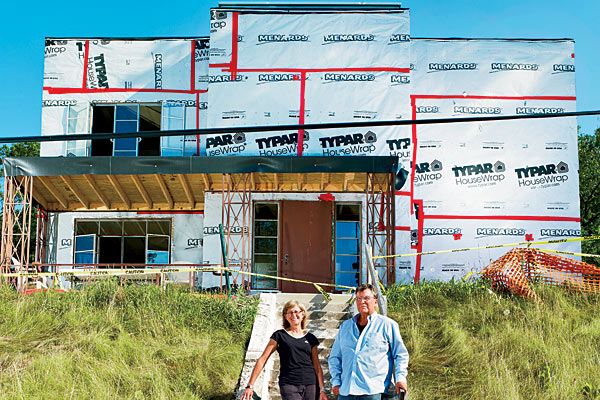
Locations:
(298, 358)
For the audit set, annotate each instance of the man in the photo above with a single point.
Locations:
(366, 350)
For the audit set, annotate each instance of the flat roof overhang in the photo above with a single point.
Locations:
(179, 183)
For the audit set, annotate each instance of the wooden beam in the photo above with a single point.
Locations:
(48, 185)
(92, 182)
(252, 182)
(347, 178)
(276, 181)
(165, 190)
(117, 186)
(140, 187)
(186, 189)
(78, 193)
(206, 180)
(300, 176)
(39, 198)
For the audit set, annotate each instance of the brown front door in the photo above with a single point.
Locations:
(305, 244)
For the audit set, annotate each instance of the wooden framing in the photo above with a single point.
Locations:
(97, 185)
(174, 191)
(16, 226)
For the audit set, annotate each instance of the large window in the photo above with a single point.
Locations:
(266, 217)
(124, 118)
(122, 241)
(347, 244)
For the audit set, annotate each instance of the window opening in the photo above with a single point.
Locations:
(125, 118)
(109, 250)
(347, 244)
(173, 118)
(103, 118)
(124, 241)
(149, 121)
(85, 249)
(157, 251)
(266, 222)
(77, 117)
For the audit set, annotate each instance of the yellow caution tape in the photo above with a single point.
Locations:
(570, 253)
(145, 271)
(324, 293)
(104, 272)
(468, 275)
(496, 246)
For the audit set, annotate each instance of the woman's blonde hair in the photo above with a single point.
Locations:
(286, 307)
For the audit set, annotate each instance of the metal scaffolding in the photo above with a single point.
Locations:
(236, 217)
(381, 223)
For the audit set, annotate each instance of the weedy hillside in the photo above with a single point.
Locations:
(112, 342)
(141, 342)
(467, 342)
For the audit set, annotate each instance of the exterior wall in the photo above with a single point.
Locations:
(186, 236)
(213, 204)
(164, 72)
(468, 185)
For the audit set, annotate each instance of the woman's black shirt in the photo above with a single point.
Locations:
(296, 367)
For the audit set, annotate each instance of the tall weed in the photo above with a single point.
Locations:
(129, 342)
(468, 342)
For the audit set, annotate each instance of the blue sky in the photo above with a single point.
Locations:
(26, 24)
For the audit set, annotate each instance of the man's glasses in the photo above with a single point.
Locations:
(294, 312)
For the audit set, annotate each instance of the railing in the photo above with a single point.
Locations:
(51, 275)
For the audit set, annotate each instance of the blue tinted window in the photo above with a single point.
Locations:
(166, 152)
(125, 126)
(347, 229)
(347, 246)
(86, 257)
(157, 257)
(83, 243)
(126, 112)
(347, 279)
(127, 144)
(347, 263)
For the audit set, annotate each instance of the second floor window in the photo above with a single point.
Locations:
(123, 118)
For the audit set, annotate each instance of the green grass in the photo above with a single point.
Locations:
(134, 342)
(466, 342)
(141, 342)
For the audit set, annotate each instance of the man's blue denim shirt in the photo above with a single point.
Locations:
(362, 364)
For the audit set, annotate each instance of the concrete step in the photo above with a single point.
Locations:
(323, 324)
(306, 298)
(324, 319)
(314, 315)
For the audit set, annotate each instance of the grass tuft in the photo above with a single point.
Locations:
(468, 342)
(132, 342)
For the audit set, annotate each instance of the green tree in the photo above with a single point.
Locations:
(589, 190)
(20, 150)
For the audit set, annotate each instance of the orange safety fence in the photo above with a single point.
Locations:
(519, 267)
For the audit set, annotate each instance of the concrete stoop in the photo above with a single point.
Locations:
(324, 320)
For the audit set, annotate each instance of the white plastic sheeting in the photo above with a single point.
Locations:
(492, 182)
(171, 73)
(469, 184)
(309, 68)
